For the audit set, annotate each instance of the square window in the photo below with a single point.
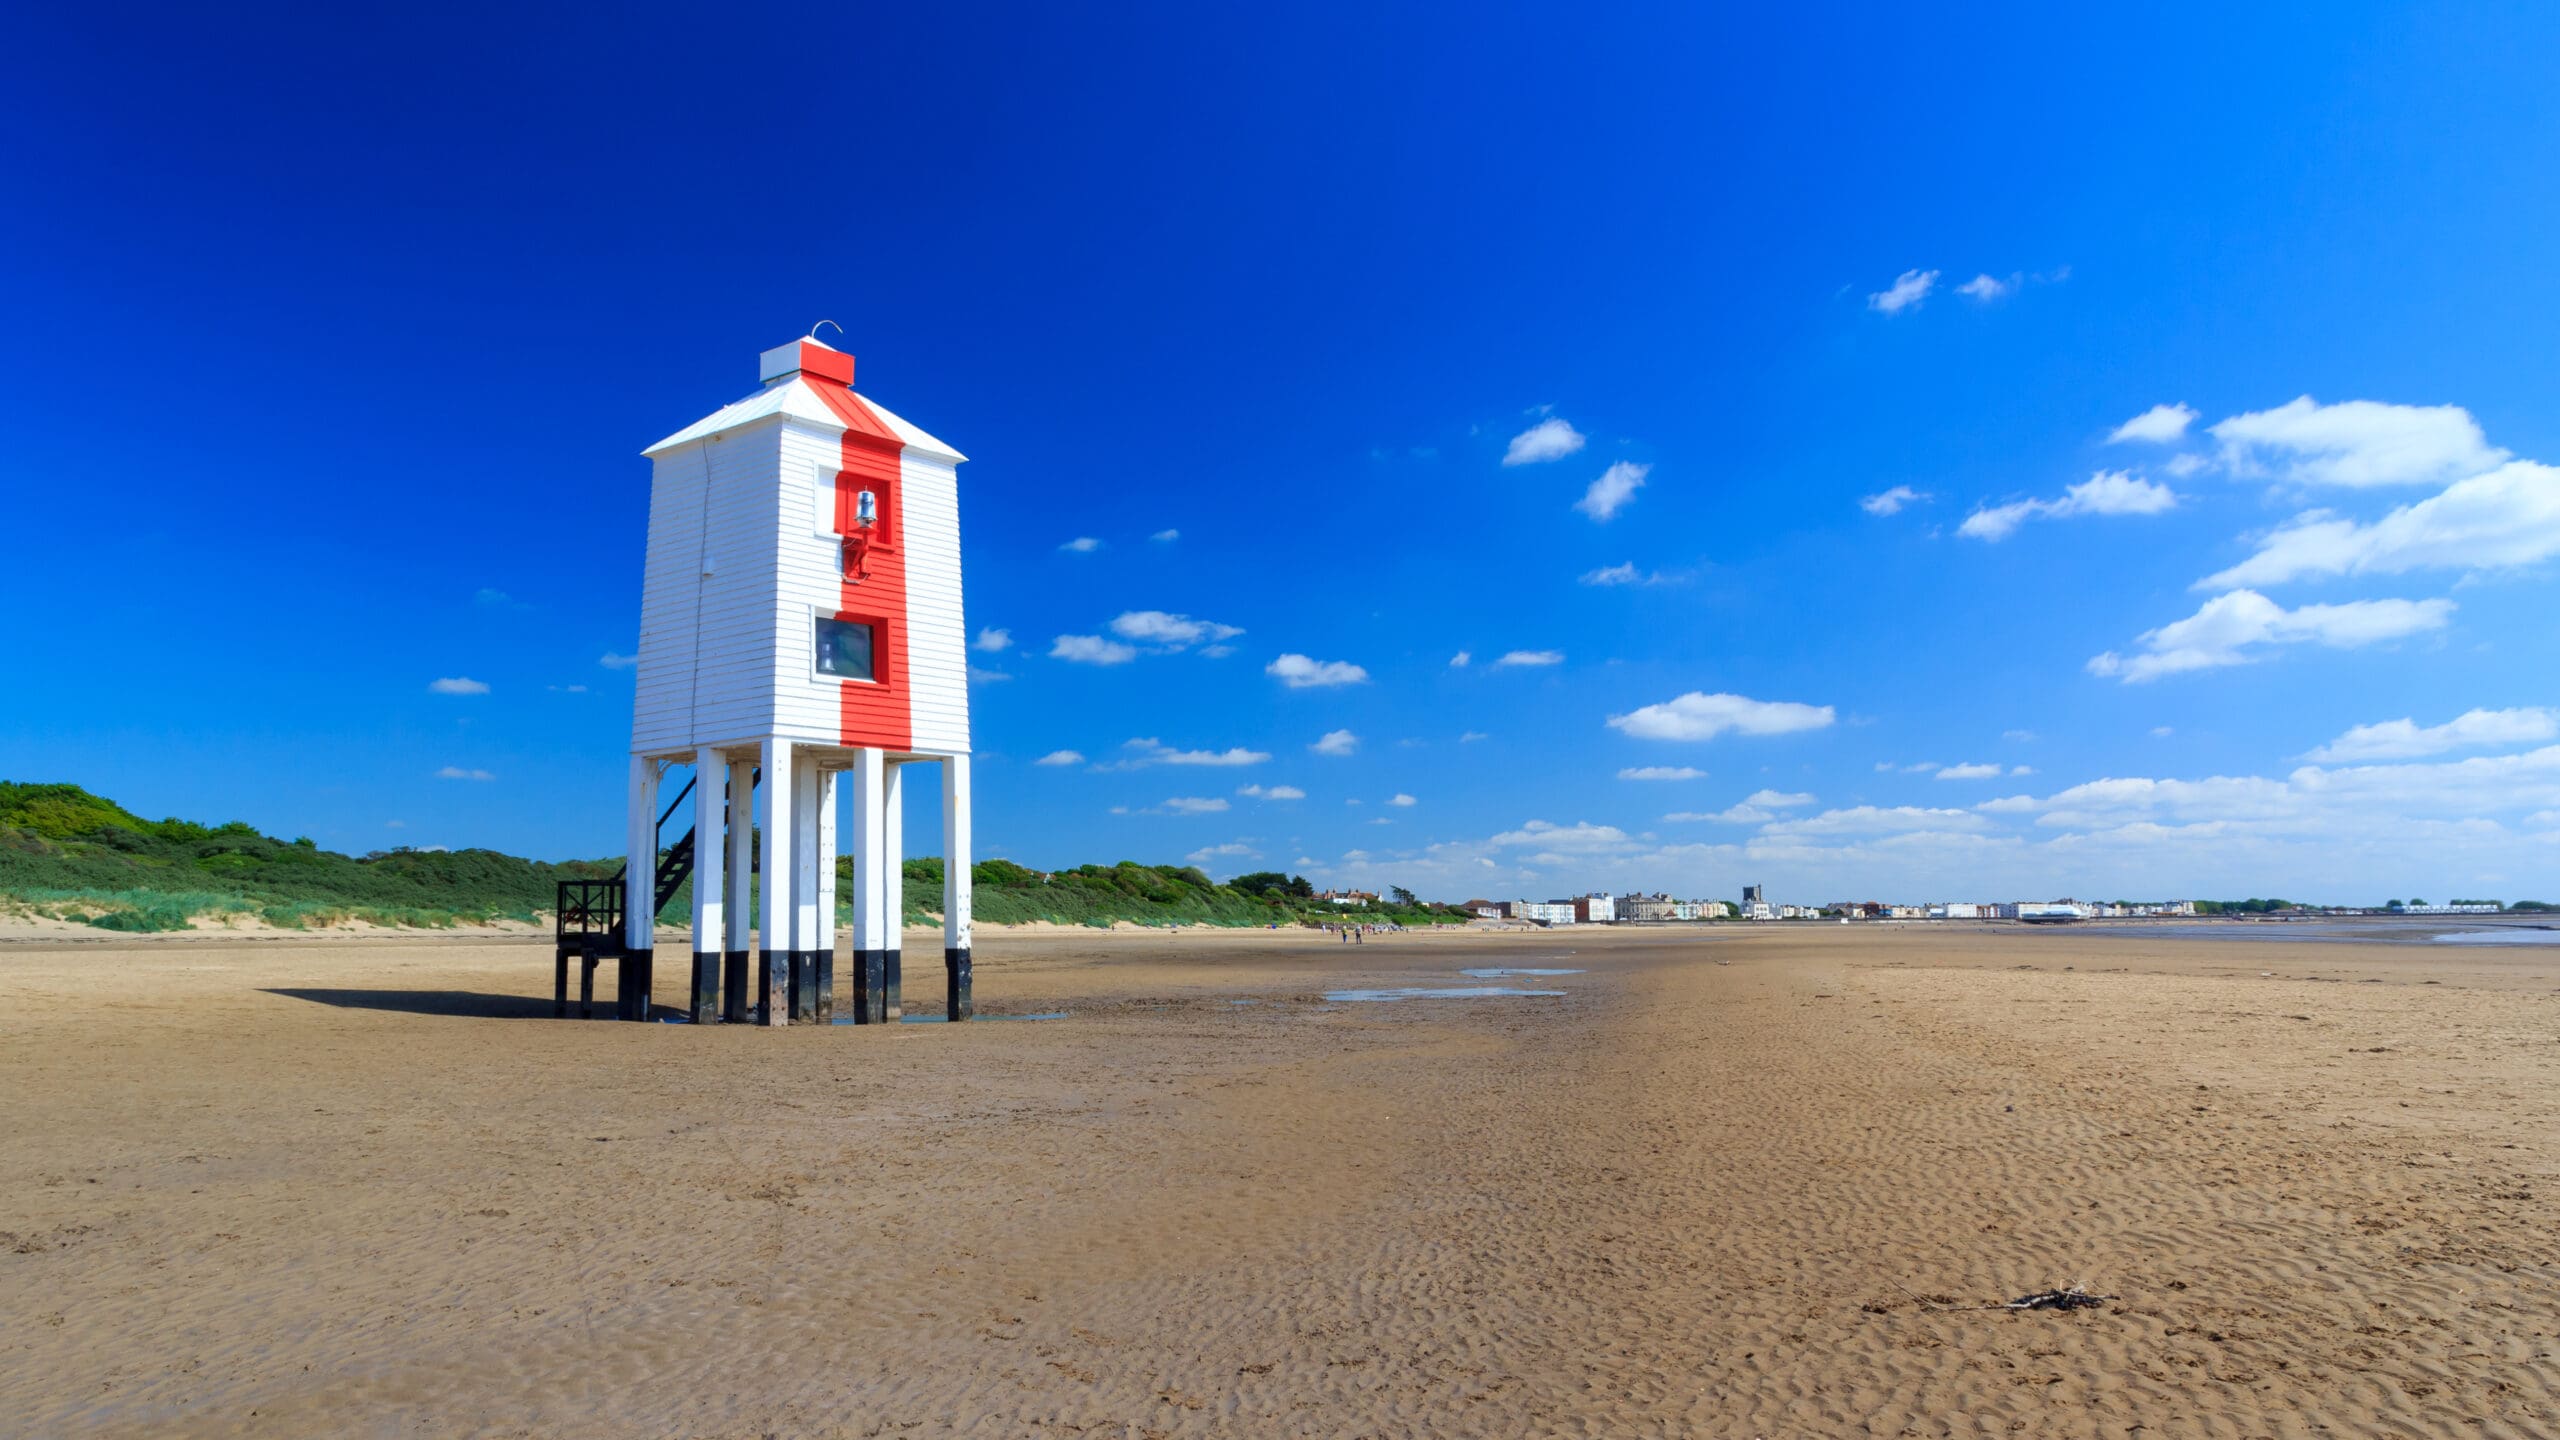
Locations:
(844, 649)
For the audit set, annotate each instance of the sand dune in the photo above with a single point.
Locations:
(367, 1187)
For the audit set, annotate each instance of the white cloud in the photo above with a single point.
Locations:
(1061, 757)
(1970, 772)
(1336, 742)
(1300, 672)
(1549, 439)
(1759, 807)
(612, 661)
(1610, 493)
(2356, 443)
(1473, 736)
(2159, 425)
(1196, 804)
(2505, 519)
(1662, 772)
(1174, 632)
(2163, 732)
(1879, 820)
(567, 689)
(1166, 536)
(1402, 799)
(1699, 716)
(458, 685)
(2473, 729)
(1908, 289)
(1626, 574)
(2021, 736)
(1091, 650)
(1272, 792)
(1516, 659)
(1987, 288)
(1233, 849)
(456, 772)
(1582, 836)
(2317, 800)
(1151, 751)
(978, 676)
(992, 640)
(1461, 660)
(1891, 502)
(2108, 492)
(2228, 629)
(1081, 545)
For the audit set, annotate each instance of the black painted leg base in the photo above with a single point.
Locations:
(892, 1003)
(961, 1003)
(633, 997)
(706, 987)
(735, 989)
(825, 963)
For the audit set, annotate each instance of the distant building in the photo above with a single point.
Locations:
(1487, 909)
(1543, 912)
(1347, 897)
(1596, 908)
(1751, 896)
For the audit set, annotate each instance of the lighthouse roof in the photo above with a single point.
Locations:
(810, 381)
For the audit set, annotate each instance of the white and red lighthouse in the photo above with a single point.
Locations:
(801, 622)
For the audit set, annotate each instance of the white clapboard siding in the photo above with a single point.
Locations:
(937, 631)
(810, 568)
(707, 641)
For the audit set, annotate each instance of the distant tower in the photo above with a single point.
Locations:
(800, 621)
(1750, 896)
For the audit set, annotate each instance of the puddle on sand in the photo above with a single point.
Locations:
(1504, 972)
(1435, 992)
(2517, 936)
(972, 1020)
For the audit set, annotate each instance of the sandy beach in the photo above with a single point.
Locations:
(1729, 1182)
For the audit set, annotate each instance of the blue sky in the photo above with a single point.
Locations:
(332, 342)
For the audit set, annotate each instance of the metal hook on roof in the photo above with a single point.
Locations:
(813, 330)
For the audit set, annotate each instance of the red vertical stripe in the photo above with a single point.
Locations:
(876, 714)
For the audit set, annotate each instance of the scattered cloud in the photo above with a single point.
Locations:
(1136, 754)
(1473, 736)
(2505, 519)
(1299, 672)
(1402, 799)
(1169, 632)
(1232, 850)
(1195, 804)
(497, 600)
(1531, 659)
(1336, 742)
(2159, 425)
(1166, 536)
(1581, 836)
(1061, 757)
(1987, 288)
(2356, 443)
(1662, 772)
(1891, 502)
(456, 772)
(1908, 289)
(1272, 792)
(567, 689)
(1549, 439)
(1461, 660)
(2108, 492)
(1626, 574)
(2472, 730)
(979, 675)
(1081, 545)
(2022, 736)
(993, 640)
(1610, 493)
(2237, 628)
(2163, 732)
(612, 661)
(458, 685)
(1970, 772)
(1879, 820)
(1091, 650)
(1760, 807)
(1699, 716)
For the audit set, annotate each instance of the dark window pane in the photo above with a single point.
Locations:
(844, 649)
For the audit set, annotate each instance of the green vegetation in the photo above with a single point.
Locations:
(67, 853)
(2244, 907)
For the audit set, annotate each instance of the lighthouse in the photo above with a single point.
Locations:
(801, 646)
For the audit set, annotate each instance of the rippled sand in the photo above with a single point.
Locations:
(1724, 1185)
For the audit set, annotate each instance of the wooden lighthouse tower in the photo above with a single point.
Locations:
(800, 628)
